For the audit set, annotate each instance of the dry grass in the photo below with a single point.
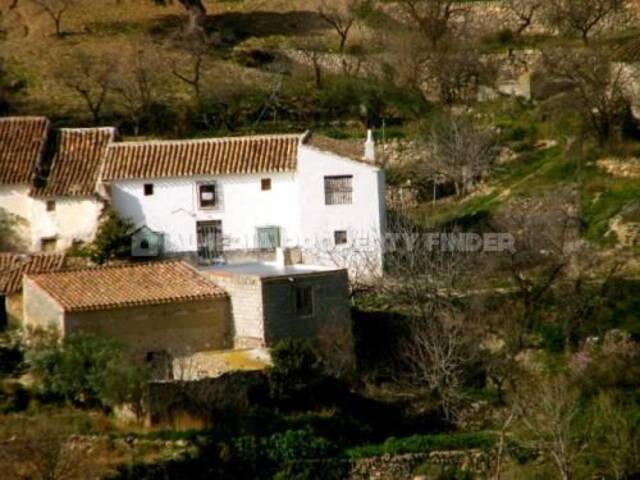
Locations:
(112, 28)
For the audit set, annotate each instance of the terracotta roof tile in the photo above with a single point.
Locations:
(128, 285)
(13, 266)
(213, 156)
(79, 155)
(22, 144)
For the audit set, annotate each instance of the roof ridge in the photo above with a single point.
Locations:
(87, 129)
(111, 267)
(207, 139)
(13, 118)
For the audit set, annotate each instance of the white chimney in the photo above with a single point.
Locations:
(370, 147)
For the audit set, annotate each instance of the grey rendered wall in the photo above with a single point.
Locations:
(330, 300)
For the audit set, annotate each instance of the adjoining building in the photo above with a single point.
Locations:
(200, 321)
(12, 269)
(65, 209)
(48, 181)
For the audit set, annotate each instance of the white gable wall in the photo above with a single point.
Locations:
(363, 219)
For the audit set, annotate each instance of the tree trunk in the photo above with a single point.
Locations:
(197, 14)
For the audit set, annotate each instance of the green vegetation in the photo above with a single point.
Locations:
(425, 444)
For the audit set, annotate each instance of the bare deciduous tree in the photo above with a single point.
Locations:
(190, 69)
(92, 78)
(460, 152)
(341, 16)
(434, 19)
(55, 10)
(544, 230)
(525, 11)
(597, 84)
(584, 16)
(435, 350)
(137, 84)
(548, 417)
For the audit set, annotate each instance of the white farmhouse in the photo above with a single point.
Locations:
(228, 198)
(48, 181)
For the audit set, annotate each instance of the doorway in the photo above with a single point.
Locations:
(209, 240)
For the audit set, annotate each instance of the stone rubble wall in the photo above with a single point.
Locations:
(403, 467)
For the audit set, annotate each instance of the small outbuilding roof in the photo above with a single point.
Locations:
(129, 285)
(13, 266)
(22, 144)
(79, 154)
(211, 156)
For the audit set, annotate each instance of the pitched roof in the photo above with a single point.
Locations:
(22, 143)
(212, 156)
(79, 155)
(351, 149)
(128, 285)
(13, 266)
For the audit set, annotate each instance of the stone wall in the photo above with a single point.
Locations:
(40, 310)
(403, 467)
(331, 308)
(176, 328)
(247, 313)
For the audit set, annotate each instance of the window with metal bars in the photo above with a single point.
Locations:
(338, 190)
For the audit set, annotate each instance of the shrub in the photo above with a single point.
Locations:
(295, 368)
(553, 338)
(11, 356)
(113, 239)
(292, 454)
(425, 443)
(86, 370)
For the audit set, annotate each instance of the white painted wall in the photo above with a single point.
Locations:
(74, 218)
(174, 210)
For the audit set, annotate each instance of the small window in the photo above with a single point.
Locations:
(148, 189)
(207, 195)
(48, 244)
(144, 244)
(340, 237)
(268, 237)
(51, 205)
(304, 301)
(265, 183)
(338, 190)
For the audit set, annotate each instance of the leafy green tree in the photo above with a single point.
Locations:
(113, 239)
(9, 238)
(87, 370)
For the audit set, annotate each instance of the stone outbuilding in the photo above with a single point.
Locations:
(161, 307)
